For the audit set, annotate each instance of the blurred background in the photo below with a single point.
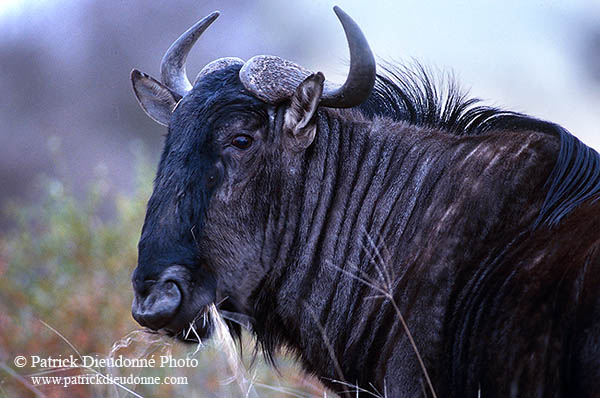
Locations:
(77, 154)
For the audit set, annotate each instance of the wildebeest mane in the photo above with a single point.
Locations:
(411, 94)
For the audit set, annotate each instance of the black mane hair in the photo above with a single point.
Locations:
(411, 95)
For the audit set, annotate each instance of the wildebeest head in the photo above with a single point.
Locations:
(234, 139)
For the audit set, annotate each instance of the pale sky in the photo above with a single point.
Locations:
(11, 7)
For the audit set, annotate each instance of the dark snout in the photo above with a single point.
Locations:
(158, 301)
(158, 306)
(172, 301)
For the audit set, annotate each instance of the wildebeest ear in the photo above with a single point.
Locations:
(155, 98)
(298, 124)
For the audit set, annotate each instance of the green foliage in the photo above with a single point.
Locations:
(67, 263)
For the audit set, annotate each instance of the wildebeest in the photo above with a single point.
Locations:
(392, 237)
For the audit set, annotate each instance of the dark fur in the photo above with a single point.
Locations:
(485, 220)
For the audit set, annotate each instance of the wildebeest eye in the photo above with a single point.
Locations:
(212, 180)
(242, 141)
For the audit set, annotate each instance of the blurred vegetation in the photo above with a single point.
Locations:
(68, 265)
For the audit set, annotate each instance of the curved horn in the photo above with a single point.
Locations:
(172, 66)
(361, 76)
(274, 79)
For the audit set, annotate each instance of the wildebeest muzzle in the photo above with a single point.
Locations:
(173, 302)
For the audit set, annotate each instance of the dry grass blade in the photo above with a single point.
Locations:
(223, 339)
(244, 321)
(328, 345)
(151, 342)
(62, 337)
(357, 389)
(386, 292)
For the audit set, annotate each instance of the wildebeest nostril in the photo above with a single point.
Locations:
(156, 308)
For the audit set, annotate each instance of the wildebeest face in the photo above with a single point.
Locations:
(230, 139)
(202, 234)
